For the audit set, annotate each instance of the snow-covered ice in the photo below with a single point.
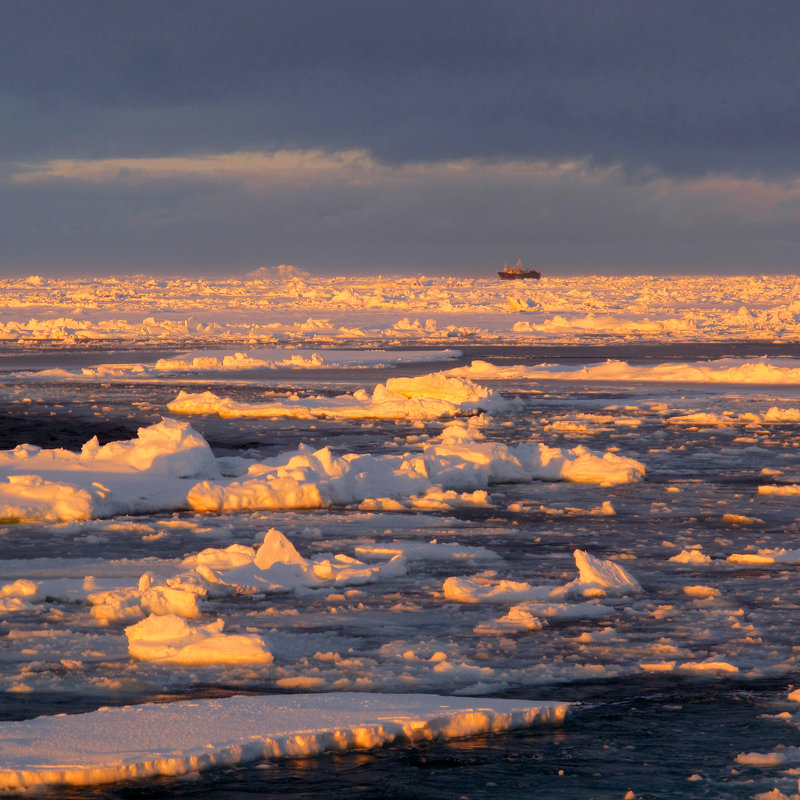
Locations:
(725, 370)
(301, 309)
(424, 397)
(112, 744)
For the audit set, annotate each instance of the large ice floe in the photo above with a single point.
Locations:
(169, 466)
(113, 744)
(460, 461)
(424, 397)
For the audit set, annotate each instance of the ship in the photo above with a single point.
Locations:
(518, 272)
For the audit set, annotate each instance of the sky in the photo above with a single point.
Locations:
(213, 138)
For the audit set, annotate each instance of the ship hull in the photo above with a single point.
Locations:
(513, 276)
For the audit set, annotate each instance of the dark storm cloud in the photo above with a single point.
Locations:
(683, 87)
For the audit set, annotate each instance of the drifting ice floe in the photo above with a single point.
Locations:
(169, 639)
(725, 370)
(160, 469)
(459, 462)
(597, 578)
(150, 473)
(216, 360)
(776, 555)
(114, 744)
(425, 397)
(277, 567)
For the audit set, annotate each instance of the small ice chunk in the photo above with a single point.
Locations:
(168, 638)
(602, 577)
(691, 556)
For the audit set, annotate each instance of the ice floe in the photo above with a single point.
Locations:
(778, 555)
(238, 360)
(319, 479)
(422, 398)
(277, 567)
(150, 473)
(726, 370)
(114, 744)
(161, 469)
(170, 639)
(596, 578)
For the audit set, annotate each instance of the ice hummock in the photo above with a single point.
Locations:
(152, 472)
(596, 578)
(170, 639)
(114, 744)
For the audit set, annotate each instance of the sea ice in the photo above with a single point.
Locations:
(421, 398)
(725, 370)
(152, 472)
(596, 578)
(169, 639)
(113, 744)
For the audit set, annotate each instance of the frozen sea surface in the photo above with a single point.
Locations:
(674, 681)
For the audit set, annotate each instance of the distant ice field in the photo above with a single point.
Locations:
(682, 672)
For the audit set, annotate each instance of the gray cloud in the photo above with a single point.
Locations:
(566, 219)
(685, 88)
(648, 97)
